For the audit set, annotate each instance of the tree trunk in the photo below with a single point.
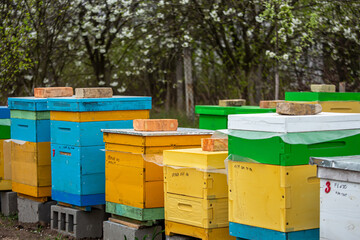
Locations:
(179, 84)
(189, 88)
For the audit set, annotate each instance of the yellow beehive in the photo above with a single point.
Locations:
(99, 116)
(341, 106)
(172, 228)
(5, 184)
(281, 198)
(31, 168)
(198, 212)
(187, 173)
(133, 177)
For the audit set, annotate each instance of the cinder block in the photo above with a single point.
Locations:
(323, 88)
(8, 203)
(153, 125)
(180, 237)
(115, 231)
(77, 223)
(53, 92)
(34, 212)
(214, 144)
(93, 92)
(294, 108)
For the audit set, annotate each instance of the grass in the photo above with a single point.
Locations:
(183, 120)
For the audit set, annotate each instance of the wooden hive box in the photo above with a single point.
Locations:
(216, 117)
(133, 177)
(274, 150)
(280, 198)
(31, 168)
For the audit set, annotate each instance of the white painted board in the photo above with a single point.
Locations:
(273, 122)
(339, 210)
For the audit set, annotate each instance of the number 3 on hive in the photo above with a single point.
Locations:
(328, 188)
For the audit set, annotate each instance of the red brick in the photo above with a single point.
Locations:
(53, 92)
(214, 144)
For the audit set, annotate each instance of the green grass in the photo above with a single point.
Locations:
(183, 120)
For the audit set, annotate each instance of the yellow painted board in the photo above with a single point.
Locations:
(7, 160)
(126, 185)
(154, 141)
(196, 212)
(281, 198)
(195, 158)
(195, 183)
(99, 116)
(152, 171)
(5, 185)
(1, 159)
(172, 228)
(31, 190)
(341, 106)
(31, 163)
(143, 150)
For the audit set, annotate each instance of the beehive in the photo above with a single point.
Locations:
(347, 102)
(134, 175)
(77, 147)
(216, 117)
(5, 181)
(196, 188)
(274, 150)
(30, 146)
(281, 198)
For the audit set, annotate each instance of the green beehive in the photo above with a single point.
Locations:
(216, 117)
(322, 96)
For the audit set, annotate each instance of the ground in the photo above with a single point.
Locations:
(11, 229)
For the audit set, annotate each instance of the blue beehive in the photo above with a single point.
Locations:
(78, 157)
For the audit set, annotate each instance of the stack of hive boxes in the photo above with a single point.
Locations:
(5, 170)
(196, 194)
(134, 172)
(30, 147)
(273, 192)
(77, 147)
(216, 117)
(342, 102)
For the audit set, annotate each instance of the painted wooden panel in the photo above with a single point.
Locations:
(5, 184)
(30, 163)
(141, 214)
(4, 122)
(28, 103)
(339, 210)
(116, 103)
(99, 116)
(5, 132)
(30, 130)
(143, 150)
(172, 228)
(31, 115)
(84, 133)
(78, 200)
(195, 183)
(7, 159)
(4, 112)
(197, 212)
(78, 170)
(255, 233)
(281, 198)
(31, 190)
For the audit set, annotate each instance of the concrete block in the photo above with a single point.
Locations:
(8, 203)
(115, 231)
(93, 92)
(180, 237)
(31, 211)
(214, 144)
(154, 125)
(232, 102)
(53, 92)
(295, 108)
(77, 223)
